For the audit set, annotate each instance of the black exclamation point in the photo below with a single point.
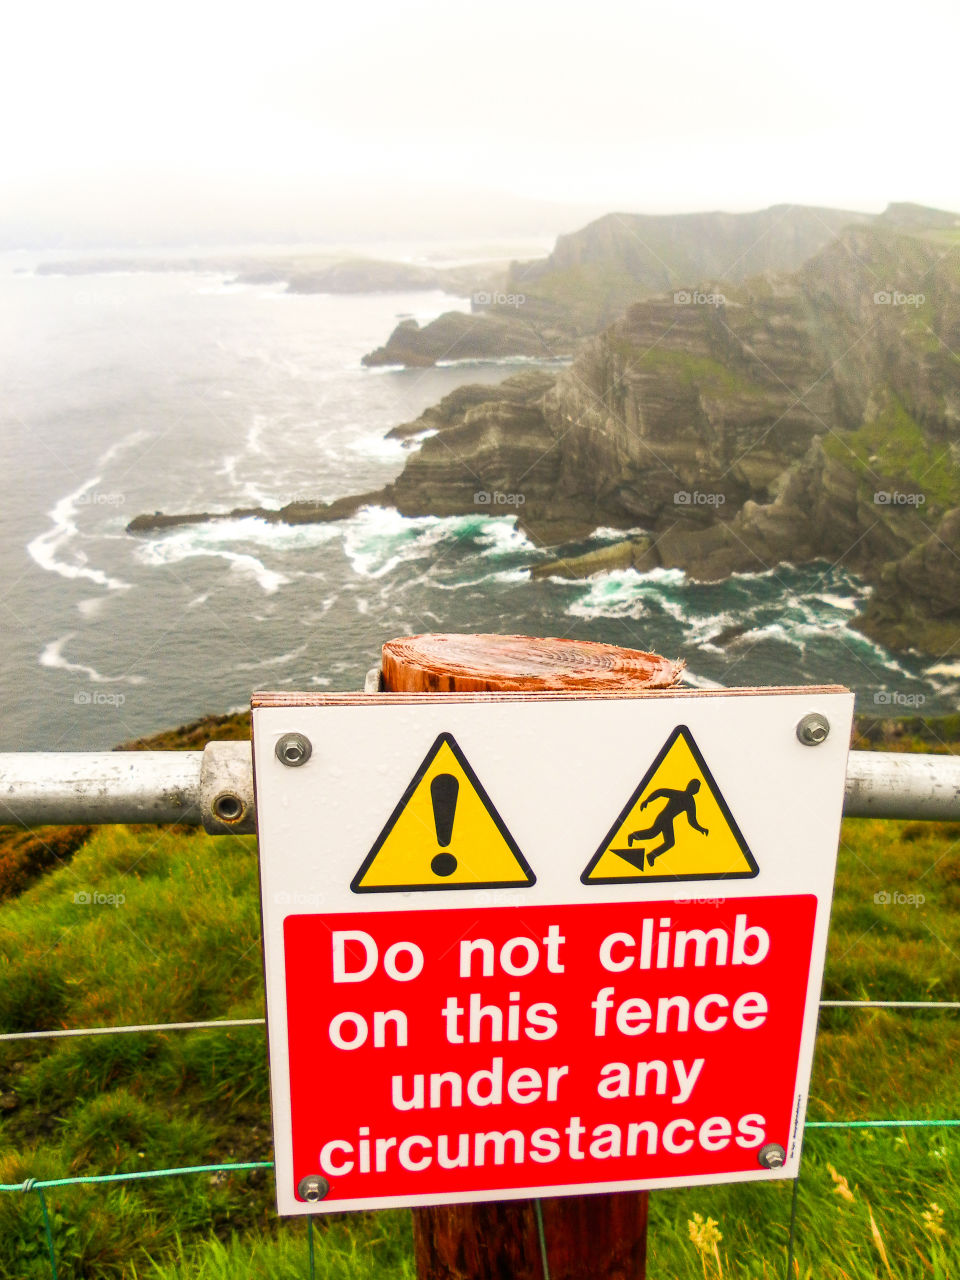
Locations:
(443, 792)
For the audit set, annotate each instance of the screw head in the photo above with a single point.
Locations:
(293, 749)
(813, 729)
(772, 1156)
(312, 1188)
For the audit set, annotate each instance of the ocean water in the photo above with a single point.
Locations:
(177, 391)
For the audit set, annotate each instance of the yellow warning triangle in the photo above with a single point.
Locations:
(675, 826)
(444, 834)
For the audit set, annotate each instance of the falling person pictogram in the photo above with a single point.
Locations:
(692, 835)
(679, 804)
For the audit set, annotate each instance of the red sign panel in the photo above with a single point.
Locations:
(446, 1053)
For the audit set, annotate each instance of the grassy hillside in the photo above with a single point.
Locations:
(180, 941)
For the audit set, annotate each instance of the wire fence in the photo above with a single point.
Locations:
(38, 1186)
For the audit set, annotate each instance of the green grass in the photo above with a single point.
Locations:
(184, 944)
(895, 444)
(593, 292)
(706, 375)
(358, 1247)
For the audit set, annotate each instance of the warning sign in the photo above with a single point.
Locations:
(472, 1049)
(675, 826)
(444, 834)
(580, 1016)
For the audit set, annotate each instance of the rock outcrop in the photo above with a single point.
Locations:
(546, 307)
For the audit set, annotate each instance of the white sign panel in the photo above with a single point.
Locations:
(525, 945)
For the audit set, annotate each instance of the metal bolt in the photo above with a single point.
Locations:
(772, 1156)
(293, 749)
(813, 729)
(313, 1188)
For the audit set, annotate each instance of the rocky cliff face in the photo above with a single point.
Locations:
(815, 414)
(545, 307)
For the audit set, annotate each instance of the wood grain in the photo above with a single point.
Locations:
(486, 663)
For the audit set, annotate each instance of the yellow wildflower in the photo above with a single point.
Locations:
(841, 1185)
(933, 1221)
(705, 1235)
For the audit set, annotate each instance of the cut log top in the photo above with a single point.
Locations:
(492, 663)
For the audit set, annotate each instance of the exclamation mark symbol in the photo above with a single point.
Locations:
(443, 792)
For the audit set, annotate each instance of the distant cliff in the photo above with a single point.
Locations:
(546, 307)
(300, 272)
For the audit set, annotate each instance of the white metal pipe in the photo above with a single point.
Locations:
(214, 787)
(100, 786)
(888, 784)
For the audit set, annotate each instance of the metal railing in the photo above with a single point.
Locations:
(213, 788)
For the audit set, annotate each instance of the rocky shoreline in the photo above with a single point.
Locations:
(302, 273)
(795, 417)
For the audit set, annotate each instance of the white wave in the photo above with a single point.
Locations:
(210, 542)
(377, 539)
(773, 631)
(52, 657)
(943, 669)
(45, 549)
(621, 593)
(377, 446)
(269, 580)
(254, 432)
(281, 659)
(605, 533)
(695, 681)
(505, 361)
(502, 537)
(848, 603)
(91, 607)
(217, 535)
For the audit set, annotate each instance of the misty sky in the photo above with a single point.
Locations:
(196, 111)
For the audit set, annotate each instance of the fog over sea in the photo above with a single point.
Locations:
(178, 391)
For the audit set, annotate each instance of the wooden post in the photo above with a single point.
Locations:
(599, 1237)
